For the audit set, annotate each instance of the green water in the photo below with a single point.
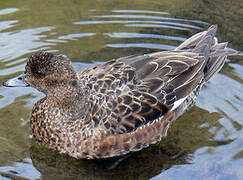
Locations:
(209, 137)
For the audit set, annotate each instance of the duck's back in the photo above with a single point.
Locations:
(131, 101)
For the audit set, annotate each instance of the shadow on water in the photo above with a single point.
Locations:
(207, 139)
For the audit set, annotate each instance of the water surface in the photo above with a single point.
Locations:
(209, 137)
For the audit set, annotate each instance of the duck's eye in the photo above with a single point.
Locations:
(39, 73)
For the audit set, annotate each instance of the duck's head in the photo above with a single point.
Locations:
(48, 73)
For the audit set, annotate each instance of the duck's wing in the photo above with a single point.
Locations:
(169, 75)
(133, 92)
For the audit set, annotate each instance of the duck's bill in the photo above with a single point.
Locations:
(18, 81)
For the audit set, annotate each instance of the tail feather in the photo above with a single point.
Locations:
(206, 44)
(219, 46)
(216, 60)
(222, 52)
(213, 66)
(199, 41)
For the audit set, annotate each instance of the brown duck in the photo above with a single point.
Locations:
(120, 106)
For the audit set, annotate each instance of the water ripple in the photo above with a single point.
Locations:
(156, 26)
(139, 11)
(7, 24)
(131, 16)
(16, 43)
(8, 11)
(140, 35)
(12, 70)
(21, 60)
(21, 170)
(142, 45)
(137, 21)
(74, 36)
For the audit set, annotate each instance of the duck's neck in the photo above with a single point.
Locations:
(71, 102)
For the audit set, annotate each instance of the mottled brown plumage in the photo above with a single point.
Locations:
(120, 106)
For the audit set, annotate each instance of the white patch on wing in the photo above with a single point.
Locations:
(178, 103)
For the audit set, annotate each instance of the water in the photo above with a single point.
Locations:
(209, 137)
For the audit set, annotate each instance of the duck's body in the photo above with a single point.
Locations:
(123, 105)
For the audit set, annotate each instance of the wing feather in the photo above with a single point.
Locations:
(140, 89)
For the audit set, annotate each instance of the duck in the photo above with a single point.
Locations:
(120, 106)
